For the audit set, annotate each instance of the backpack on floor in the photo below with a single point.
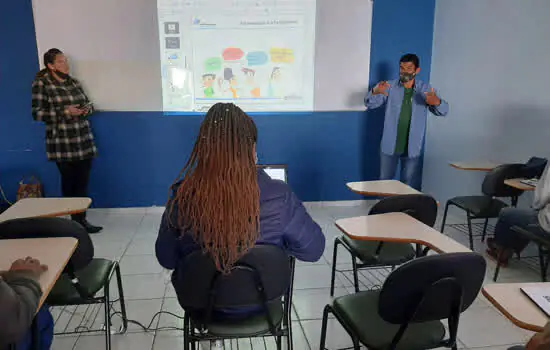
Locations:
(30, 188)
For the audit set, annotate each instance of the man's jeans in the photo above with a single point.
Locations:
(527, 219)
(410, 169)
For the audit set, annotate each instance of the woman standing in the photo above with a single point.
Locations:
(59, 101)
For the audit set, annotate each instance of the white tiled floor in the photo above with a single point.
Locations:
(129, 236)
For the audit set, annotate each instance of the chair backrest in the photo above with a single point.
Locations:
(430, 288)
(264, 269)
(420, 206)
(493, 184)
(534, 167)
(49, 228)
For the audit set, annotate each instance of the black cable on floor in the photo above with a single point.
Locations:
(137, 323)
(148, 328)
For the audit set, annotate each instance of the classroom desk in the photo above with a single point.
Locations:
(45, 207)
(516, 183)
(54, 252)
(398, 227)
(474, 166)
(381, 188)
(516, 306)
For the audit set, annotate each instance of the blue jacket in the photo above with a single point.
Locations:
(284, 222)
(393, 102)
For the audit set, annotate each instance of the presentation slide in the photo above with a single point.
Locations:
(259, 54)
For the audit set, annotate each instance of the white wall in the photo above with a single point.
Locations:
(112, 45)
(491, 61)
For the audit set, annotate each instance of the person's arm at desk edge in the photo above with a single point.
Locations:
(19, 298)
(303, 237)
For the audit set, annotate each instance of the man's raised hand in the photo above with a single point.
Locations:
(432, 99)
(381, 88)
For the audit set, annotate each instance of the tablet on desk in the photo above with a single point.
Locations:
(540, 296)
(85, 105)
(530, 182)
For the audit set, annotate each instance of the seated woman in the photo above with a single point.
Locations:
(536, 220)
(224, 205)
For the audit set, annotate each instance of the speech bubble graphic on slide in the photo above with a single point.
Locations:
(281, 55)
(232, 54)
(213, 64)
(256, 58)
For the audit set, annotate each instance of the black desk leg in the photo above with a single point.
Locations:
(421, 252)
(418, 250)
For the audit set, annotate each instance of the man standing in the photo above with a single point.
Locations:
(407, 103)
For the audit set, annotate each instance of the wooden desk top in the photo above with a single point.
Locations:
(398, 227)
(516, 183)
(381, 188)
(474, 166)
(516, 306)
(45, 207)
(54, 252)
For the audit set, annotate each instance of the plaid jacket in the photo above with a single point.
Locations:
(67, 138)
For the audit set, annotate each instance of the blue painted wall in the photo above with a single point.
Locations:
(323, 150)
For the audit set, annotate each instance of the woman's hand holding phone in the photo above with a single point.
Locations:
(74, 111)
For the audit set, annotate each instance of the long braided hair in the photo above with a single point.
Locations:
(217, 197)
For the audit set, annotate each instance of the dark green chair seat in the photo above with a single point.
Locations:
(359, 312)
(479, 206)
(248, 327)
(92, 279)
(390, 253)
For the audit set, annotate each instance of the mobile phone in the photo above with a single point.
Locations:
(86, 105)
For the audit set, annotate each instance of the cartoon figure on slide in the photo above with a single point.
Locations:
(208, 84)
(231, 82)
(275, 83)
(250, 75)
